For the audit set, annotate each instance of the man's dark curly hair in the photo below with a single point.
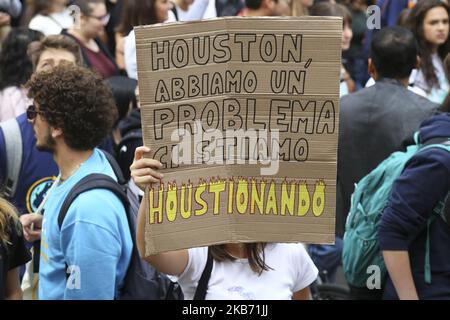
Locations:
(77, 101)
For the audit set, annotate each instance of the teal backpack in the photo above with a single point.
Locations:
(361, 247)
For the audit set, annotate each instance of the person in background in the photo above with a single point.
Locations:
(414, 239)
(405, 257)
(347, 84)
(379, 120)
(357, 62)
(13, 252)
(15, 70)
(156, 11)
(37, 170)
(93, 20)
(429, 21)
(259, 8)
(123, 89)
(48, 16)
(283, 8)
(115, 9)
(131, 138)
(403, 18)
(229, 8)
(137, 13)
(389, 11)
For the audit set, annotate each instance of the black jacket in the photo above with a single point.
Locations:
(424, 182)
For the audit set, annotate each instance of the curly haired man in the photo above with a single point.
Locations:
(72, 113)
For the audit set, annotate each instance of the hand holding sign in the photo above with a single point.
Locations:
(144, 170)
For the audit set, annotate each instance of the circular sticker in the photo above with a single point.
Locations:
(37, 193)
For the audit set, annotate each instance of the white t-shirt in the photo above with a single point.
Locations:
(130, 55)
(291, 270)
(437, 94)
(52, 24)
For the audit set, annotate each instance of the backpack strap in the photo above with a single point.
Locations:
(116, 168)
(442, 143)
(13, 149)
(200, 292)
(90, 182)
(427, 267)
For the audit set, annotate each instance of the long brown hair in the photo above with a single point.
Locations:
(136, 13)
(7, 213)
(254, 251)
(415, 23)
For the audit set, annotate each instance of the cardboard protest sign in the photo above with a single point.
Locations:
(243, 114)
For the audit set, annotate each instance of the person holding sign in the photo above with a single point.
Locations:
(241, 271)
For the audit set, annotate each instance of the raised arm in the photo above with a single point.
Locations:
(144, 172)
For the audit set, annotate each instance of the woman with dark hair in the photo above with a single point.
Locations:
(48, 16)
(15, 70)
(137, 13)
(13, 252)
(429, 21)
(347, 85)
(141, 12)
(94, 17)
(241, 271)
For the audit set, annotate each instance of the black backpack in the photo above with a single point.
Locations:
(142, 281)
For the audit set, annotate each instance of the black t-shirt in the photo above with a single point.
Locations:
(12, 255)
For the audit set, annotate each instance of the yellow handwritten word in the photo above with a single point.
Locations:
(236, 196)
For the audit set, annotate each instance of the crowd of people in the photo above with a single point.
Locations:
(67, 65)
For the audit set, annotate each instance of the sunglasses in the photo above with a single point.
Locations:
(32, 112)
